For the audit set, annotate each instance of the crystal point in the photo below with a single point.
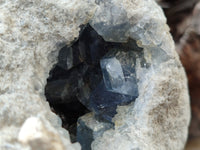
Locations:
(118, 68)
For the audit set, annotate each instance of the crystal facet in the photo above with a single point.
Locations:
(104, 102)
(118, 69)
(112, 73)
(101, 75)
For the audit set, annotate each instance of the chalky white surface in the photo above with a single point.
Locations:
(31, 34)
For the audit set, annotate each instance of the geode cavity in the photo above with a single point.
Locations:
(99, 74)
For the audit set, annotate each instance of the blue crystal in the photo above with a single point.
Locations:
(100, 74)
(111, 22)
(112, 74)
(118, 68)
(104, 102)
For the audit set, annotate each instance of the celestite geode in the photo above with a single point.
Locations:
(32, 33)
(100, 74)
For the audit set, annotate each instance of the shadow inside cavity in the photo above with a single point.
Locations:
(74, 84)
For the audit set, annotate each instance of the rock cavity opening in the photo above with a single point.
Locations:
(93, 75)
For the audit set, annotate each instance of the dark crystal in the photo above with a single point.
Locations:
(104, 102)
(101, 75)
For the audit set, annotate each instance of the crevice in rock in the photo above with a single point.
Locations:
(93, 75)
(69, 113)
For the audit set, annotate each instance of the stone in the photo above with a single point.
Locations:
(152, 121)
(111, 21)
(84, 80)
(91, 128)
(32, 33)
(41, 135)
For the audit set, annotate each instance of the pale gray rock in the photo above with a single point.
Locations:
(159, 117)
(39, 134)
(33, 31)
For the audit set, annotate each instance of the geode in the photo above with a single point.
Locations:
(152, 113)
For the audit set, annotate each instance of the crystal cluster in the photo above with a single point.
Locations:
(29, 46)
(101, 75)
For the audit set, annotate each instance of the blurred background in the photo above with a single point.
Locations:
(183, 18)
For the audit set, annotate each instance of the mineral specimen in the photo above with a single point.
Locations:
(69, 57)
(118, 69)
(111, 21)
(103, 80)
(89, 128)
(33, 31)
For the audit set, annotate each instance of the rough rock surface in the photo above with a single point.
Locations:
(39, 134)
(31, 34)
(33, 31)
(161, 111)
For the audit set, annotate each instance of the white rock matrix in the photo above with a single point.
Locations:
(31, 34)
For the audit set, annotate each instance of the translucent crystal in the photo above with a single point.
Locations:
(100, 74)
(91, 46)
(111, 22)
(70, 57)
(112, 73)
(118, 68)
